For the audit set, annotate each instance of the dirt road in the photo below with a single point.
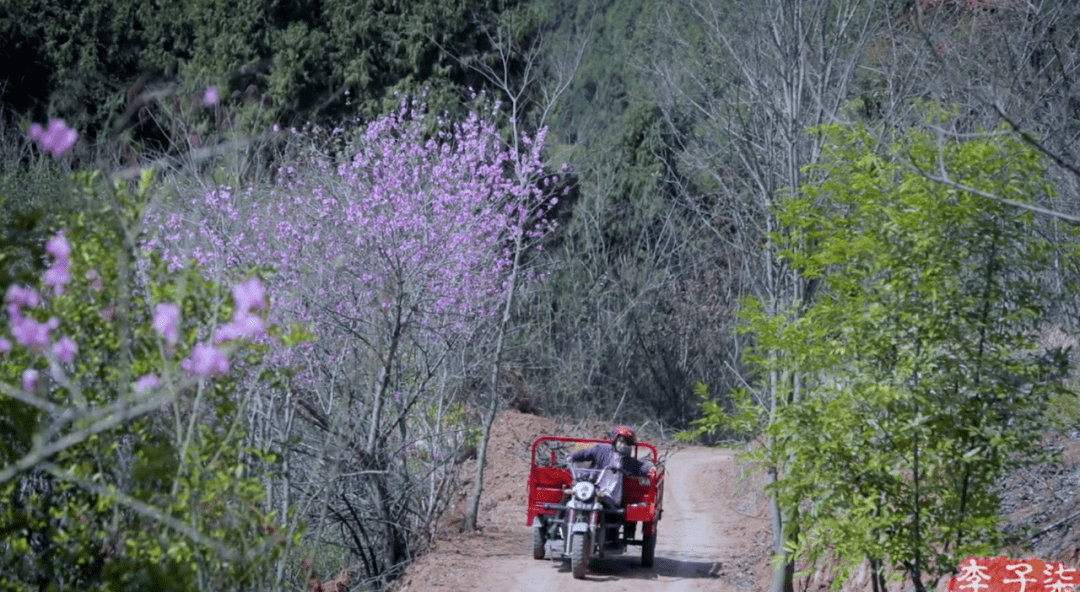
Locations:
(713, 536)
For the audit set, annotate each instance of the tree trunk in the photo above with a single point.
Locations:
(493, 396)
(782, 580)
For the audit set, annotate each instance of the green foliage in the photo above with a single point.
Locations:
(32, 199)
(73, 55)
(88, 60)
(920, 387)
(167, 499)
(608, 84)
(746, 417)
(639, 202)
(459, 417)
(1063, 408)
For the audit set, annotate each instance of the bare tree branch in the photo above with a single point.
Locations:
(945, 180)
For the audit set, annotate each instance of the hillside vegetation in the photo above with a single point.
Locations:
(303, 252)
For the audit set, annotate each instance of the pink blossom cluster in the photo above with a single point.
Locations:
(57, 274)
(27, 332)
(208, 359)
(32, 334)
(205, 359)
(246, 296)
(56, 139)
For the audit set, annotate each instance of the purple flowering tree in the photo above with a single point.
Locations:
(398, 259)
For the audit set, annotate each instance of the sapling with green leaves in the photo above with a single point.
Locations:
(923, 386)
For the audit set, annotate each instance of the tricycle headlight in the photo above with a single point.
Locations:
(584, 491)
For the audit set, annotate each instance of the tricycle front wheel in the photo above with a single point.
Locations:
(579, 554)
(648, 549)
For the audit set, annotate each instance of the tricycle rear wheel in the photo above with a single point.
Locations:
(539, 539)
(579, 554)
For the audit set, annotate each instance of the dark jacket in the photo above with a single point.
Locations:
(611, 483)
(604, 456)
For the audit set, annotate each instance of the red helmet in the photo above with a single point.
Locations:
(625, 432)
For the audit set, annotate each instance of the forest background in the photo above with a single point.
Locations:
(842, 228)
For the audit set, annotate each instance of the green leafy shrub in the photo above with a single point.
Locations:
(910, 384)
(124, 463)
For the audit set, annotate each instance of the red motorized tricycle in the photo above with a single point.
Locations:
(570, 516)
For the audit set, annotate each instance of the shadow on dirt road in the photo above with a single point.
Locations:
(628, 568)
